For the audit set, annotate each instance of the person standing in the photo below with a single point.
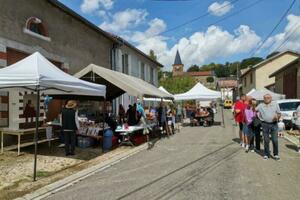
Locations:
(70, 125)
(162, 117)
(121, 114)
(179, 113)
(256, 126)
(250, 114)
(269, 113)
(239, 108)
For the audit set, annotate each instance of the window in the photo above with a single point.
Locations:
(289, 106)
(251, 78)
(151, 75)
(245, 81)
(125, 69)
(143, 71)
(35, 27)
(4, 113)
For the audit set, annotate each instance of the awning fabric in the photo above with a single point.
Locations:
(259, 94)
(35, 70)
(159, 99)
(198, 92)
(118, 83)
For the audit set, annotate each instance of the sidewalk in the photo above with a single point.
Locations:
(52, 179)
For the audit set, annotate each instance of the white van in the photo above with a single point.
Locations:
(287, 108)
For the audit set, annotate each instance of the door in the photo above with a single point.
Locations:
(290, 84)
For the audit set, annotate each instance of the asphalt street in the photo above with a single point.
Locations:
(197, 163)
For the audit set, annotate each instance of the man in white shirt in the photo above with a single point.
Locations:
(269, 113)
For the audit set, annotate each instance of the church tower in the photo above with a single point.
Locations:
(177, 66)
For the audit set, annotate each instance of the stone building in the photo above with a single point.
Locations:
(68, 40)
(201, 76)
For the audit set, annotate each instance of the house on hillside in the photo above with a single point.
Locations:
(257, 76)
(69, 41)
(287, 80)
(201, 76)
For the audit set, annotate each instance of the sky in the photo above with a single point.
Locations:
(203, 31)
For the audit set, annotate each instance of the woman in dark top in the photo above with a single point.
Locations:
(121, 114)
(132, 118)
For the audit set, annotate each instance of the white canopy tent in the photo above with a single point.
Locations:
(37, 74)
(35, 71)
(258, 94)
(159, 99)
(119, 83)
(198, 92)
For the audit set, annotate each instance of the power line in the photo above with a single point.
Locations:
(226, 17)
(189, 21)
(274, 28)
(231, 15)
(288, 37)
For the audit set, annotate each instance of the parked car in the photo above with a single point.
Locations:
(228, 104)
(287, 108)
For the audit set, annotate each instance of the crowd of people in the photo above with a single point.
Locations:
(165, 115)
(252, 118)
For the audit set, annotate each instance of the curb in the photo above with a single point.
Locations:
(73, 179)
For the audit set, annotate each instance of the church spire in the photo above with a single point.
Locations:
(177, 60)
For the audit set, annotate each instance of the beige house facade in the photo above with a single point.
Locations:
(258, 76)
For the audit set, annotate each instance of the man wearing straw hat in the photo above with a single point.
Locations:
(70, 125)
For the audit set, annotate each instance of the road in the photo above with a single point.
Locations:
(197, 163)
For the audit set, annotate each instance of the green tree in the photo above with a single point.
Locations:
(193, 68)
(250, 62)
(208, 67)
(177, 85)
(272, 54)
(152, 55)
(222, 70)
(210, 79)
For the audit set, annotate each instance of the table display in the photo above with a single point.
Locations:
(18, 133)
(88, 132)
(128, 131)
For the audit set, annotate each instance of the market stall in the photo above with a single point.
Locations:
(35, 73)
(159, 99)
(259, 94)
(200, 93)
(119, 83)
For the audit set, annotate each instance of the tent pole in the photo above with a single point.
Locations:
(223, 121)
(103, 114)
(36, 130)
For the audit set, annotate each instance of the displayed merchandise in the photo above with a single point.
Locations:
(91, 129)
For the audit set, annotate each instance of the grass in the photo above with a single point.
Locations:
(43, 174)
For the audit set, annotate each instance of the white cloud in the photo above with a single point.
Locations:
(199, 48)
(103, 15)
(107, 4)
(123, 20)
(220, 9)
(145, 40)
(89, 6)
(291, 35)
